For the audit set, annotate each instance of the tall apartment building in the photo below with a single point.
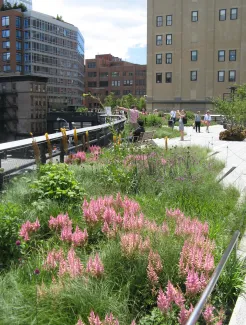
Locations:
(27, 3)
(32, 43)
(196, 51)
(106, 73)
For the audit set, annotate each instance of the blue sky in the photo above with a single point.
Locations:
(118, 27)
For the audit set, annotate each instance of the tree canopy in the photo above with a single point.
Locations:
(8, 6)
(235, 108)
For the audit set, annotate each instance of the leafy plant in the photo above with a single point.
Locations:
(56, 182)
(233, 134)
(152, 120)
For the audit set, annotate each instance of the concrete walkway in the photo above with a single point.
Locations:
(233, 154)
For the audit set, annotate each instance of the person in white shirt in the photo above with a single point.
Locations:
(207, 120)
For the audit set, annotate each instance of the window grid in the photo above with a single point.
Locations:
(232, 55)
(221, 56)
(222, 14)
(194, 16)
(234, 13)
(221, 76)
(169, 20)
(158, 77)
(159, 21)
(169, 40)
(168, 77)
(193, 75)
(158, 40)
(232, 75)
(194, 55)
(5, 21)
(169, 58)
(158, 58)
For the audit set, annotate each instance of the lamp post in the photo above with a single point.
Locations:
(62, 119)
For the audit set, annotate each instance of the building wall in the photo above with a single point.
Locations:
(207, 36)
(11, 63)
(25, 108)
(106, 74)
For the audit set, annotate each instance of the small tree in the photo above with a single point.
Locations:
(110, 100)
(59, 18)
(235, 109)
(8, 6)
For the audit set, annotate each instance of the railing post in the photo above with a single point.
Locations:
(42, 154)
(62, 152)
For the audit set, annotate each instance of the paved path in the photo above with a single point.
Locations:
(232, 153)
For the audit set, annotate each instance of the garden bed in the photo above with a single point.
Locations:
(126, 223)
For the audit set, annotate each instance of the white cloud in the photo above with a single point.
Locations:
(113, 27)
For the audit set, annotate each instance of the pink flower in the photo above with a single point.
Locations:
(163, 302)
(110, 320)
(152, 275)
(184, 315)
(80, 322)
(94, 319)
(27, 228)
(208, 314)
(192, 283)
(60, 222)
(95, 266)
(79, 238)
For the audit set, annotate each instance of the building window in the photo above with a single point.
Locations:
(18, 34)
(221, 56)
(232, 55)
(18, 46)
(222, 14)
(6, 45)
(221, 76)
(159, 78)
(6, 68)
(193, 75)
(92, 74)
(128, 82)
(159, 21)
(232, 76)
(92, 65)
(18, 57)
(131, 74)
(158, 40)
(169, 58)
(169, 39)
(6, 33)
(6, 56)
(18, 22)
(168, 77)
(194, 55)
(158, 58)
(116, 83)
(104, 75)
(126, 92)
(103, 84)
(234, 13)
(19, 68)
(92, 84)
(194, 16)
(5, 21)
(115, 74)
(116, 92)
(169, 20)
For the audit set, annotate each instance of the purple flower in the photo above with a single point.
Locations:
(18, 242)
(37, 272)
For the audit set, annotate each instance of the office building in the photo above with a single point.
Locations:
(23, 106)
(106, 73)
(36, 44)
(196, 52)
(27, 3)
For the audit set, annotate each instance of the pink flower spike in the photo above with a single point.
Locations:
(162, 302)
(80, 322)
(208, 314)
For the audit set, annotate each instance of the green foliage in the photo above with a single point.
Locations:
(82, 110)
(10, 219)
(155, 318)
(234, 110)
(151, 120)
(59, 18)
(110, 101)
(190, 115)
(56, 182)
(8, 6)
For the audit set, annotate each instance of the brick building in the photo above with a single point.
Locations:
(23, 106)
(106, 74)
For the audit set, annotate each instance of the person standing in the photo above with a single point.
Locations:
(173, 116)
(133, 115)
(207, 120)
(198, 122)
(181, 115)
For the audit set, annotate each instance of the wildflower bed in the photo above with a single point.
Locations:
(134, 242)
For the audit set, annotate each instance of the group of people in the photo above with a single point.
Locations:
(181, 117)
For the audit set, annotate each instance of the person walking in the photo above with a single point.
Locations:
(207, 120)
(133, 115)
(181, 115)
(198, 122)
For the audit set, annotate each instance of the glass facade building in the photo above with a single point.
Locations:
(54, 49)
(27, 3)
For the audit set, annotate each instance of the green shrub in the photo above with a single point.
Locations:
(56, 182)
(234, 134)
(152, 120)
(190, 115)
(10, 220)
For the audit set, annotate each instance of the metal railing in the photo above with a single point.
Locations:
(19, 155)
(210, 287)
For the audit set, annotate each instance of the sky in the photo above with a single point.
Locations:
(118, 27)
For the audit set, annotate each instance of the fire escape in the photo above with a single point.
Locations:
(8, 112)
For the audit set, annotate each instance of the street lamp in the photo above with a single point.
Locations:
(62, 119)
